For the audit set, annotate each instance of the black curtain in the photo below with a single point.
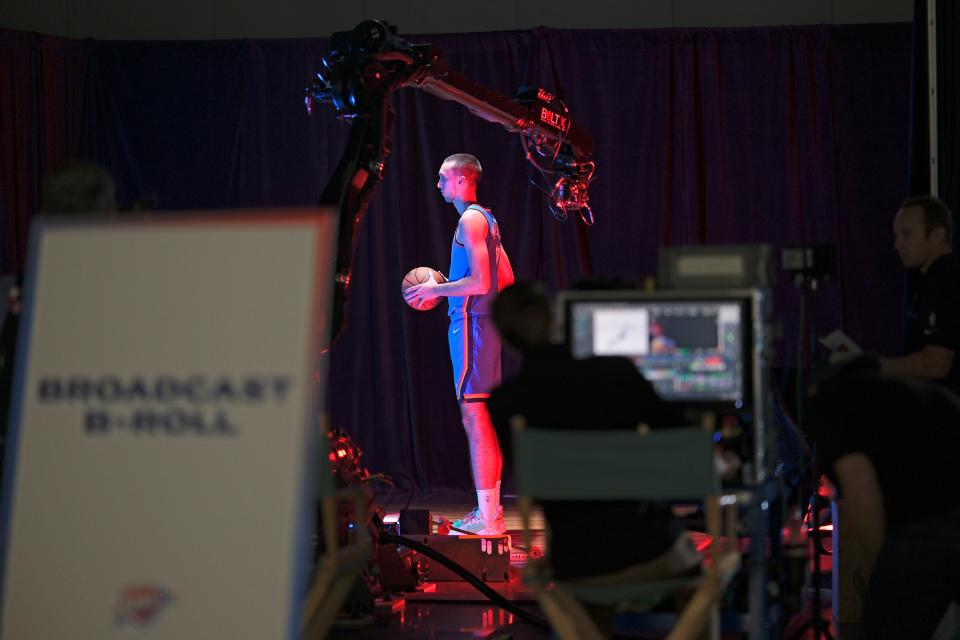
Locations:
(787, 135)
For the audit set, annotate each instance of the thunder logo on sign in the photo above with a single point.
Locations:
(139, 605)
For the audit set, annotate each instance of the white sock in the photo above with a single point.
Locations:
(489, 502)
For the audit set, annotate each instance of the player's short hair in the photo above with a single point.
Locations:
(522, 315)
(935, 214)
(466, 165)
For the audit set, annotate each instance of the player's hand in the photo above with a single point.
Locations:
(420, 293)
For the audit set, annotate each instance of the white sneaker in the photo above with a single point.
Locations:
(474, 524)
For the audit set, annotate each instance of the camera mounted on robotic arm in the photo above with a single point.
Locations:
(560, 151)
(362, 67)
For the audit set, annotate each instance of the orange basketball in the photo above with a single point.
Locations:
(418, 275)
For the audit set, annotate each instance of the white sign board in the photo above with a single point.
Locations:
(162, 423)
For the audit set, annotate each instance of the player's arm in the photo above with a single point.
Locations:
(473, 231)
(931, 362)
(504, 272)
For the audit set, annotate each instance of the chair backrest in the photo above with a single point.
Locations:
(668, 464)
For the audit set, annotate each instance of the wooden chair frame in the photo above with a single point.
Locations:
(681, 467)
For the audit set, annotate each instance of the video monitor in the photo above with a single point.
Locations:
(692, 349)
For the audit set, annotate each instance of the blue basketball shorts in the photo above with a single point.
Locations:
(475, 354)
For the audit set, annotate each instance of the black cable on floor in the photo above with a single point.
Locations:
(478, 584)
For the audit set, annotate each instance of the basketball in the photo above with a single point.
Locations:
(418, 275)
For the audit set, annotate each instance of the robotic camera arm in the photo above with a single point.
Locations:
(365, 65)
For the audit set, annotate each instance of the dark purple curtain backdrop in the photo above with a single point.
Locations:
(41, 80)
(794, 135)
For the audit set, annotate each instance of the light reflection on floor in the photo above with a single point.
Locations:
(457, 611)
(443, 621)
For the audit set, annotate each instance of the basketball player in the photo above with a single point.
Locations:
(479, 269)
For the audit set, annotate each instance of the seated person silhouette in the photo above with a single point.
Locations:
(555, 391)
(890, 445)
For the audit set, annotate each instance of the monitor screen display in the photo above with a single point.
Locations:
(691, 350)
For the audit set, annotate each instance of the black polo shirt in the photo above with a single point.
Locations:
(933, 313)
(910, 430)
(553, 390)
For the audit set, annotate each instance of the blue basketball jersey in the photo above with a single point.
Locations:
(460, 268)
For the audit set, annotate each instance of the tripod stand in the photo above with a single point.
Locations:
(806, 280)
(816, 621)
